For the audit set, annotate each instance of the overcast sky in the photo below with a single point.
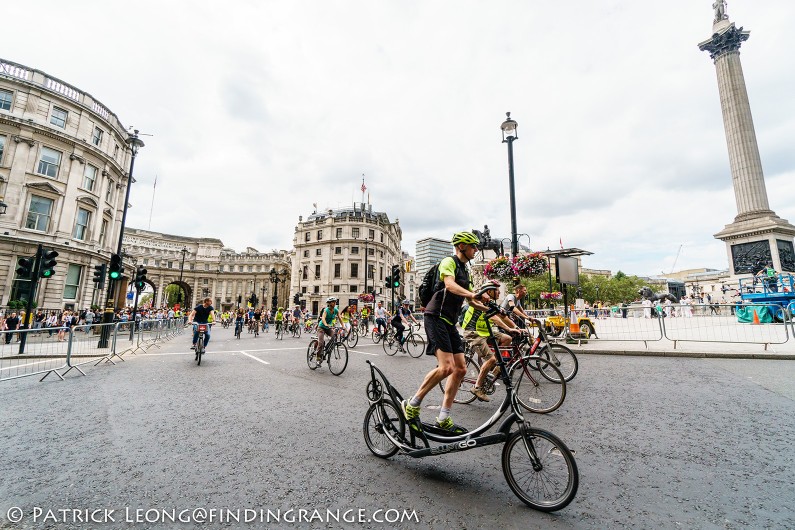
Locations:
(259, 109)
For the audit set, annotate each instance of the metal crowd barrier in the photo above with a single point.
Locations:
(52, 350)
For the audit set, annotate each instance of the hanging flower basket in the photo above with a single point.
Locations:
(555, 295)
(527, 265)
(499, 269)
(366, 298)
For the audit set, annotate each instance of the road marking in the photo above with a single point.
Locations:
(255, 358)
(365, 353)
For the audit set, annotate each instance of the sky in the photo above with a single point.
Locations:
(258, 109)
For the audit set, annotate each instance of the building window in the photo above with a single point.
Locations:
(305, 273)
(81, 224)
(303, 289)
(49, 162)
(318, 252)
(2, 148)
(336, 288)
(72, 283)
(103, 230)
(250, 268)
(355, 232)
(116, 151)
(371, 251)
(317, 271)
(339, 233)
(206, 266)
(354, 250)
(170, 264)
(58, 117)
(109, 191)
(353, 288)
(89, 177)
(371, 234)
(146, 260)
(307, 236)
(382, 238)
(39, 213)
(319, 235)
(380, 273)
(316, 289)
(96, 138)
(306, 253)
(354, 270)
(337, 270)
(6, 98)
(337, 250)
(205, 282)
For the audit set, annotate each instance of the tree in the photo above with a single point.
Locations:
(172, 294)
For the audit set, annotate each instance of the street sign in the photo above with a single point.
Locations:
(129, 296)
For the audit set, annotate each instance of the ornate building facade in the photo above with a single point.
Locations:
(64, 164)
(344, 253)
(205, 268)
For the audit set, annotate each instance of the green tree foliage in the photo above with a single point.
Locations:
(617, 289)
(172, 294)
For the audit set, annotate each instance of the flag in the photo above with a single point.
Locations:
(155, 182)
(561, 243)
(364, 188)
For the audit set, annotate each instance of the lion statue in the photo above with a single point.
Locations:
(646, 293)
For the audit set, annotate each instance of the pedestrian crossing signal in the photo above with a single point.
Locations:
(25, 268)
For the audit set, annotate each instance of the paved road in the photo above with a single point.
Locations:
(661, 442)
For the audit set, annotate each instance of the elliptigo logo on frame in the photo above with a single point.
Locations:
(457, 446)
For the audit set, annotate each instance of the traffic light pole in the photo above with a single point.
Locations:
(34, 284)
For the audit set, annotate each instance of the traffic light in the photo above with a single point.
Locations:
(140, 278)
(25, 269)
(99, 275)
(239, 299)
(396, 276)
(48, 263)
(389, 282)
(296, 298)
(116, 267)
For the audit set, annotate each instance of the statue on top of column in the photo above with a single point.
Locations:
(720, 10)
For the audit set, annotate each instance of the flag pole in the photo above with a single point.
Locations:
(152, 206)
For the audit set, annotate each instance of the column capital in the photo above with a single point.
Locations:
(726, 41)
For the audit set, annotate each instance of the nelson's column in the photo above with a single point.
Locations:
(757, 236)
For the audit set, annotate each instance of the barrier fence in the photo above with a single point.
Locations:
(59, 350)
(763, 324)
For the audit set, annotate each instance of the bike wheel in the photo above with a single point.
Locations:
(380, 418)
(376, 336)
(390, 345)
(352, 339)
(470, 378)
(563, 359)
(311, 355)
(199, 350)
(338, 358)
(540, 469)
(297, 332)
(363, 329)
(415, 345)
(538, 393)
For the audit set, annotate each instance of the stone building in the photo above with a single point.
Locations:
(204, 267)
(64, 164)
(333, 249)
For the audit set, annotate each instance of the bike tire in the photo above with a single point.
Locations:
(199, 350)
(338, 358)
(380, 417)
(415, 345)
(311, 355)
(542, 472)
(376, 336)
(563, 358)
(470, 378)
(390, 346)
(541, 395)
(352, 339)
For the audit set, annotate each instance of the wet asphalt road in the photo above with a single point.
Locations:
(660, 442)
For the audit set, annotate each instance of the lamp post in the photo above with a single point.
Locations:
(509, 134)
(263, 294)
(135, 144)
(276, 278)
(181, 268)
(366, 260)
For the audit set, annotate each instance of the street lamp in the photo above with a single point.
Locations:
(366, 260)
(135, 144)
(276, 278)
(509, 134)
(181, 268)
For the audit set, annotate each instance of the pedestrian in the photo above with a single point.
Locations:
(11, 325)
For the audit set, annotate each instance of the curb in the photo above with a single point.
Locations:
(690, 354)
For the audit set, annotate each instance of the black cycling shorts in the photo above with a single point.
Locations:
(441, 336)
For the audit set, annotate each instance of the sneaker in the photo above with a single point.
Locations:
(193, 347)
(479, 393)
(409, 412)
(449, 426)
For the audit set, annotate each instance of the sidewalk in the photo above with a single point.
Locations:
(667, 348)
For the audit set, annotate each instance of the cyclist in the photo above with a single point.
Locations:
(345, 320)
(325, 325)
(257, 318)
(512, 304)
(239, 320)
(380, 317)
(279, 318)
(402, 315)
(202, 314)
(475, 333)
(366, 315)
(296, 317)
(443, 339)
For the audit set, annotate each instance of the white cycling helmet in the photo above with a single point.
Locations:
(491, 284)
(330, 299)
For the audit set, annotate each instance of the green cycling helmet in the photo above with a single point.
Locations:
(465, 237)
